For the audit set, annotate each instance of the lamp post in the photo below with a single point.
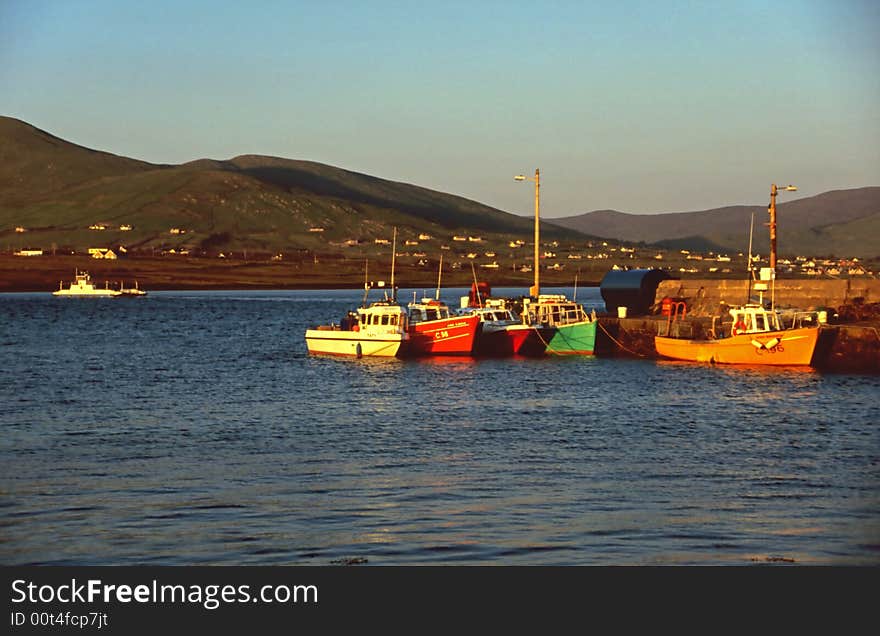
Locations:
(772, 210)
(535, 290)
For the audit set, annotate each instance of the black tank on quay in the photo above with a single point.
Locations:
(634, 289)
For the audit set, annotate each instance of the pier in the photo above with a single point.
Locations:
(849, 341)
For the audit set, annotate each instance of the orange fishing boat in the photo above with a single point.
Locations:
(757, 337)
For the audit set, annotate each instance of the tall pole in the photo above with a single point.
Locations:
(536, 290)
(439, 274)
(393, 256)
(751, 269)
(772, 210)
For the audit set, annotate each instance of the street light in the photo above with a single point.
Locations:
(535, 290)
(772, 210)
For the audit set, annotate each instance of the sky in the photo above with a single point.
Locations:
(642, 107)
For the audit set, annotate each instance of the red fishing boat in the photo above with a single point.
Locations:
(502, 331)
(435, 330)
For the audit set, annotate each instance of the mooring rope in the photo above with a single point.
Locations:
(619, 344)
(546, 344)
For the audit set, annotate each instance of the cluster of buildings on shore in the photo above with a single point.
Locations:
(465, 250)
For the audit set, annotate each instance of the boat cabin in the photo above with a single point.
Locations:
(553, 310)
(428, 309)
(754, 319)
(380, 318)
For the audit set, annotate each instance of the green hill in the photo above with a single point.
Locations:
(56, 190)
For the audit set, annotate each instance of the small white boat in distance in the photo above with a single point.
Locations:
(82, 286)
(131, 291)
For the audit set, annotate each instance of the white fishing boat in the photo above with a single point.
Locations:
(379, 329)
(83, 286)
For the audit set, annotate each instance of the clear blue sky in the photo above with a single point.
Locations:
(637, 106)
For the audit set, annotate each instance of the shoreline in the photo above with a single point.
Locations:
(46, 273)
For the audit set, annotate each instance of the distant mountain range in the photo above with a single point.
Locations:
(52, 191)
(55, 190)
(845, 223)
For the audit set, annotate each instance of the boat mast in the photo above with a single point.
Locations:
(439, 274)
(393, 255)
(366, 281)
(477, 286)
(751, 269)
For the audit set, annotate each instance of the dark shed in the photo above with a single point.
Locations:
(632, 288)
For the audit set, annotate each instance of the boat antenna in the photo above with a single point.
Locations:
(439, 274)
(575, 295)
(393, 255)
(477, 286)
(366, 282)
(751, 267)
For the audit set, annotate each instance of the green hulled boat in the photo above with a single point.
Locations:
(573, 329)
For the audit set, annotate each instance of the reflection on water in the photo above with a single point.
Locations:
(193, 427)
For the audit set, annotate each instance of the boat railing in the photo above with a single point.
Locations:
(677, 314)
(799, 319)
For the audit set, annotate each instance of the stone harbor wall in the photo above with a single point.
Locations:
(709, 297)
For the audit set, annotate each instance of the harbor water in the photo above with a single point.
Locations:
(194, 428)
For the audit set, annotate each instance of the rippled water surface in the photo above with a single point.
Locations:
(194, 428)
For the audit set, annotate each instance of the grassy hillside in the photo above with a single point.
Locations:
(57, 190)
(34, 163)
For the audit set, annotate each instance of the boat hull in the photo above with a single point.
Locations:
(790, 347)
(577, 338)
(502, 342)
(93, 293)
(535, 343)
(354, 344)
(447, 337)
